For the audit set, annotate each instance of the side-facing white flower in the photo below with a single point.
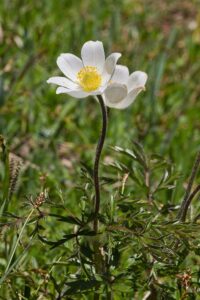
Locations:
(89, 76)
(124, 88)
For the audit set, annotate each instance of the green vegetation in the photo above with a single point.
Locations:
(48, 249)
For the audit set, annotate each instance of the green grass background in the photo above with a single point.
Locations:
(161, 39)
(54, 133)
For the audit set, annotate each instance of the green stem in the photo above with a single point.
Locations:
(96, 162)
(97, 255)
(17, 242)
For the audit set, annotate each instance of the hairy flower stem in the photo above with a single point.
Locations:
(98, 260)
(96, 162)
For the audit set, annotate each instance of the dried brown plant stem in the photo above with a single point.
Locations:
(96, 162)
(188, 196)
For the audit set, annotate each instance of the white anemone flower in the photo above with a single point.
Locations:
(124, 88)
(87, 76)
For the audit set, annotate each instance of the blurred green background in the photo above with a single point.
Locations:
(53, 133)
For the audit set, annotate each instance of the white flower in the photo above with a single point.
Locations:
(124, 88)
(89, 76)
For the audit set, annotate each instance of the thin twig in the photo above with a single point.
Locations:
(96, 162)
(184, 206)
(188, 202)
(196, 218)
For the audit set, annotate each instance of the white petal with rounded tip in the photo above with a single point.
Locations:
(120, 75)
(63, 81)
(109, 66)
(75, 93)
(114, 94)
(129, 99)
(110, 62)
(92, 54)
(137, 79)
(70, 65)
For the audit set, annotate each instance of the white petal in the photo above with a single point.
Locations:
(75, 93)
(120, 75)
(137, 79)
(109, 66)
(129, 99)
(69, 64)
(63, 81)
(110, 62)
(92, 54)
(114, 94)
(99, 91)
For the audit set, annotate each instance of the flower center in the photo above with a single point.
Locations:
(89, 78)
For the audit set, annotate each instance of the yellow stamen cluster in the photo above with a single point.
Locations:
(89, 78)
